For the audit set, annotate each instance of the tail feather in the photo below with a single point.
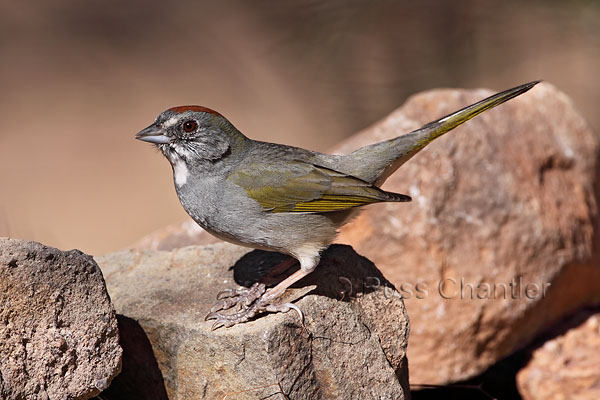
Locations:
(437, 128)
(391, 154)
(398, 197)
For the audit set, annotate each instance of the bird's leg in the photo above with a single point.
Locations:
(273, 276)
(245, 296)
(286, 283)
(261, 302)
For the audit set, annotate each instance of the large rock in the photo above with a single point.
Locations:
(58, 331)
(565, 367)
(508, 198)
(352, 348)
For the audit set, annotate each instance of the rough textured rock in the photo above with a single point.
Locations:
(58, 331)
(508, 197)
(175, 236)
(565, 367)
(354, 348)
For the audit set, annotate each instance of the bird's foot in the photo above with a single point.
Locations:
(247, 303)
(239, 298)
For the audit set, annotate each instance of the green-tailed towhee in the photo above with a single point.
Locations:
(276, 197)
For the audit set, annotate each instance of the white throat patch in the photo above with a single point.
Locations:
(180, 172)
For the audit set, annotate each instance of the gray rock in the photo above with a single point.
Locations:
(58, 331)
(354, 348)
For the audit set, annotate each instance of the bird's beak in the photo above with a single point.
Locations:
(153, 134)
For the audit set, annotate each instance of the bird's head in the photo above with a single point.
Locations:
(191, 134)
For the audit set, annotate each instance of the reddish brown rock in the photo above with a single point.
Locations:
(566, 367)
(506, 198)
(58, 331)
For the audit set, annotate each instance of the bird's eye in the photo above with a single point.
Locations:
(190, 126)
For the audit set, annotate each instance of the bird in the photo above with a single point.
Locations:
(281, 198)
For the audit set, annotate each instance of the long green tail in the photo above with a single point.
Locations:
(375, 163)
(437, 128)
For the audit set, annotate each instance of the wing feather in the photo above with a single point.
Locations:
(298, 186)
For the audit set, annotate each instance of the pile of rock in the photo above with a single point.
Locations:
(501, 241)
(60, 336)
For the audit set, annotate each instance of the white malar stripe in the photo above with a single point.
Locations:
(180, 173)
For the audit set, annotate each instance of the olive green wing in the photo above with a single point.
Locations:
(297, 186)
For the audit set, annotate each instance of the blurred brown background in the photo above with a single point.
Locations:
(79, 79)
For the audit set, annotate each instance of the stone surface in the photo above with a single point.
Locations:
(174, 236)
(351, 348)
(58, 331)
(565, 367)
(507, 197)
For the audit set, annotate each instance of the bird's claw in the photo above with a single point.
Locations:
(285, 307)
(257, 288)
(228, 320)
(248, 302)
(237, 297)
